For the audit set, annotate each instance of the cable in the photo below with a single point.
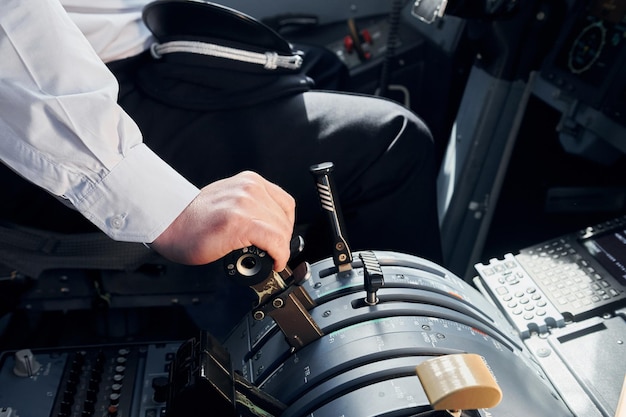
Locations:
(392, 43)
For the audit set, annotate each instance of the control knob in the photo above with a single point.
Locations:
(25, 363)
(161, 389)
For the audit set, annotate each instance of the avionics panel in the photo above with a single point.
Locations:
(128, 380)
(572, 277)
(589, 57)
(597, 254)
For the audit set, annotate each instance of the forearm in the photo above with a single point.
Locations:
(60, 127)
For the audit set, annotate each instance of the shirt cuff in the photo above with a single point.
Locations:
(139, 198)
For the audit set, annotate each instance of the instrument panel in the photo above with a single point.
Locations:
(590, 57)
(104, 381)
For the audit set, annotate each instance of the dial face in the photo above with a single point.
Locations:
(593, 46)
(599, 38)
(587, 48)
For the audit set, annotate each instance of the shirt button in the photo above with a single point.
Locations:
(117, 221)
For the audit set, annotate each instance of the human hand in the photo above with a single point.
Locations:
(230, 214)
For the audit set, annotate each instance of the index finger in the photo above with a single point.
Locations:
(284, 200)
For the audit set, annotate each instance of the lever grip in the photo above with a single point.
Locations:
(342, 256)
(250, 265)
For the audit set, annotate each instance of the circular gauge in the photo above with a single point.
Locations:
(587, 48)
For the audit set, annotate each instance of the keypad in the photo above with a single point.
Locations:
(571, 282)
(521, 299)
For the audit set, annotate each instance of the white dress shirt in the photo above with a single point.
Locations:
(60, 126)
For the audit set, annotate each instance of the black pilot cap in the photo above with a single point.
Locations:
(199, 20)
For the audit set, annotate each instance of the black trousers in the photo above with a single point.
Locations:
(383, 153)
(277, 126)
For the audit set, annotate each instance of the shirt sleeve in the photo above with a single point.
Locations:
(61, 127)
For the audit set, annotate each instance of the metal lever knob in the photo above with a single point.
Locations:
(373, 276)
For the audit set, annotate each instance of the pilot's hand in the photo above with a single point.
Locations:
(230, 214)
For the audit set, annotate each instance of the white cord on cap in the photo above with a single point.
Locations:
(269, 60)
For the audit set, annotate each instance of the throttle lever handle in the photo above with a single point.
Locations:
(250, 265)
(280, 294)
(342, 256)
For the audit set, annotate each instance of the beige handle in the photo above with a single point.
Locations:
(459, 382)
(621, 404)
